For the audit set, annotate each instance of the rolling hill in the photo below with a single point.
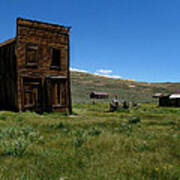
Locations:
(83, 83)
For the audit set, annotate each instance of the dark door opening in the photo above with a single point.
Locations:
(56, 95)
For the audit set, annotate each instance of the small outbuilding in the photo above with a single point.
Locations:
(99, 95)
(169, 100)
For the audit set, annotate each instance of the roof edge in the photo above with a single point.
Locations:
(41, 22)
(9, 41)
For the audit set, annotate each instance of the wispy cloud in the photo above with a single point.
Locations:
(107, 73)
(78, 70)
(100, 72)
(104, 71)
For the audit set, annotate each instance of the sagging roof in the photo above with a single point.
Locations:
(100, 93)
(158, 95)
(9, 41)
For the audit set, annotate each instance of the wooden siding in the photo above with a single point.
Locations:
(166, 102)
(44, 37)
(8, 77)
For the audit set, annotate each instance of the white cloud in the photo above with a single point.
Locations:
(101, 72)
(107, 73)
(104, 71)
(78, 70)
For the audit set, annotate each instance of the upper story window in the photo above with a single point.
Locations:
(32, 55)
(56, 58)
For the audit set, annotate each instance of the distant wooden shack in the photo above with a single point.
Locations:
(169, 100)
(99, 95)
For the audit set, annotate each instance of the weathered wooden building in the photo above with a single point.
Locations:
(168, 100)
(34, 68)
(99, 95)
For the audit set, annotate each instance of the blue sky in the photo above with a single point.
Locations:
(137, 40)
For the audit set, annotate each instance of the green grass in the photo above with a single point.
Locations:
(143, 143)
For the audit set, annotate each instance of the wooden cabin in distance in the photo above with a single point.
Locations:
(99, 95)
(168, 100)
(34, 68)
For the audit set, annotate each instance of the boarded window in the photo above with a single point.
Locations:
(31, 55)
(59, 92)
(56, 58)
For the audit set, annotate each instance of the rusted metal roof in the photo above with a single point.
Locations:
(174, 96)
(157, 95)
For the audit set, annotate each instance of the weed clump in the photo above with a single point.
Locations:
(19, 119)
(134, 120)
(122, 110)
(58, 125)
(125, 127)
(166, 171)
(3, 117)
(141, 146)
(45, 113)
(80, 137)
(15, 140)
(79, 141)
(169, 122)
(15, 147)
(94, 131)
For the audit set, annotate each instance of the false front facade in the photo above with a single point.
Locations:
(34, 68)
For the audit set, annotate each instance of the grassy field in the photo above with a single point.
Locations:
(141, 143)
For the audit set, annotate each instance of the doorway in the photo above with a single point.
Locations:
(32, 95)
